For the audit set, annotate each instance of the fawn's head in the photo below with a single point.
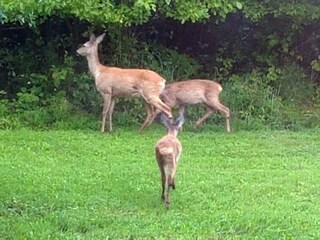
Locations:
(90, 46)
(172, 128)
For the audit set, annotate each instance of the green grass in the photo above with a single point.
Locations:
(84, 185)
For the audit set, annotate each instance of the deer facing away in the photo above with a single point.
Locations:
(190, 92)
(168, 150)
(113, 82)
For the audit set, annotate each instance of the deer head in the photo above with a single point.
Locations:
(172, 128)
(91, 46)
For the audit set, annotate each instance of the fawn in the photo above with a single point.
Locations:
(190, 92)
(168, 150)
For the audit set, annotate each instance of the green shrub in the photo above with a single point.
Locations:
(281, 99)
(8, 120)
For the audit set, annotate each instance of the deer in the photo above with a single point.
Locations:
(194, 91)
(168, 151)
(113, 82)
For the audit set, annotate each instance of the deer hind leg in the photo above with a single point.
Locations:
(225, 111)
(149, 118)
(173, 184)
(162, 173)
(163, 181)
(156, 111)
(167, 190)
(173, 172)
(106, 107)
(170, 180)
(157, 103)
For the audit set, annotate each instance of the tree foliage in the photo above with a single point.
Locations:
(130, 12)
(116, 12)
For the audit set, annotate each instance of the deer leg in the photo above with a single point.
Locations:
(172, 173)
(106, 106)
(201, 120)
(156, 111)
(173, 184)
(170, 180)
(157, 103)
(163, 175)
(147, 122)
(167, 190)
(181, 111)
(163, 180)
(110, 112)
(224, 110)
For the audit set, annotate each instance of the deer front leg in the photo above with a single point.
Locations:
(110, 112)
(106, 107)
(201, 120)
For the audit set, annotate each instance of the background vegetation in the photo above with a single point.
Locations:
(264, 53)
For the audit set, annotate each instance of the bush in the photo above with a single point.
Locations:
(276, 98)
(57, 112)
(8, 120)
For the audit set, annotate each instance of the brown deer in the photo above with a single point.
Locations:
(113, 82)
(190, 92)
(168, 150)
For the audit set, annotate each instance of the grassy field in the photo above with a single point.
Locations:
(84, 185)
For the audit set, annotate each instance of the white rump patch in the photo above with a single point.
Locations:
(166, 151)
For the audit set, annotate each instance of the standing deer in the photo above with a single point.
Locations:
(168, 150)
(195, 91)
(113, 82)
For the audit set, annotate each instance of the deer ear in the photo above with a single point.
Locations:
(92, 38)
(165, 120)
(180, 121)
(100, 38)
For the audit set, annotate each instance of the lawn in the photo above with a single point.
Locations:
(87, 185)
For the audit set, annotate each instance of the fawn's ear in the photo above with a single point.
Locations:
(179, 121)
(165, 120)
(100, 38)
(92, 38)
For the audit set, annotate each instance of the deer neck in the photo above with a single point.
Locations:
(173, 132)
(94, 64)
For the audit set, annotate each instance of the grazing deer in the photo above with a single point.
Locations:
(113, 82)
(168, 150)
(195, 91)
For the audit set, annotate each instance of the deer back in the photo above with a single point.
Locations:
(129, 82)
(191, 91)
